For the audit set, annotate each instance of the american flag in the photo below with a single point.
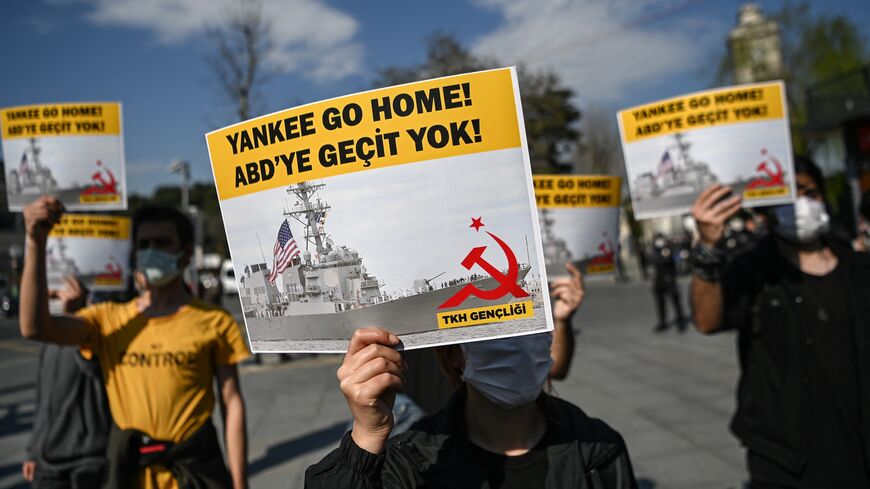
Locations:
(666, 164)
(285, 250)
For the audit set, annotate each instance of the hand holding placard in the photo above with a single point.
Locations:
(370, 376)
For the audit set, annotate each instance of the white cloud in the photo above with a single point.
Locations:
(310, 37)
(602, 49)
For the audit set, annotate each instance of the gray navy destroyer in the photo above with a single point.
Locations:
(327, 291)
(682, 175)
(31, 176)
(556, 252)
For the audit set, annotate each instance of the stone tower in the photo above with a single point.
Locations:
(755, 46)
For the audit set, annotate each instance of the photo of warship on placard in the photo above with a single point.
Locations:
(674, 175)
(96, 263)
(58, 265)
(756, 171)
(30, 176)
(582, 236)
(326, 291)
(89, 177)
(556, 252)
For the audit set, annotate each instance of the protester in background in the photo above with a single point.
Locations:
(499, 430)
(640, 249)
(665, 284)
(739, 236)
(799, 302)
(756, 224)
(67, 448)
(159, 354)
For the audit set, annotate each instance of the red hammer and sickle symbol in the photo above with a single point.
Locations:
(507, 283)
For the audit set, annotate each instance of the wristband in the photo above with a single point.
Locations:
(707, 262)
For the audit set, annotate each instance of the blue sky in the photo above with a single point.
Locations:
(150, 55)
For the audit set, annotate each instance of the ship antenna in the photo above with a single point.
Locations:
(528, 256)
(261, 247)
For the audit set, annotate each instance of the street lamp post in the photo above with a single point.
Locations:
(15, 254)
(183, 167)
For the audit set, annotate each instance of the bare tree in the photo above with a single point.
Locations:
(600, 151)
(241, 44)
(550, 114)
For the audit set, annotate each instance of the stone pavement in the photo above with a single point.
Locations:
(670, 395)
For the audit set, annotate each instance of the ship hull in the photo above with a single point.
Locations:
(403, 316)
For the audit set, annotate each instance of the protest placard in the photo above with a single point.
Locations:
(409, 208)
(736, 136)
(95, 249)
(579, 218)
(73, 151)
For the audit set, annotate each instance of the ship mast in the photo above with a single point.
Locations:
(547, 222)
(308, 211)
(34, 152)
(683, 148)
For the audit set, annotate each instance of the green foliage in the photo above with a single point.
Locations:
(550, 116)
(635, 226)
(815, 48)
(830, 46)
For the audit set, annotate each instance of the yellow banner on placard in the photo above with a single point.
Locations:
(733, 105)
(765, 193)
(91, 226)
(552, 191)
(108, 281)
(600, 268)
(451, 116)
(484, 315)
(99, 198)
(67, 119)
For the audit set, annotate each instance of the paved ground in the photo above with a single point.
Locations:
(670, 395)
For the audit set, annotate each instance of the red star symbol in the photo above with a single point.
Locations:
(476, 224)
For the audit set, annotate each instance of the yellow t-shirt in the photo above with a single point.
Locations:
(159, 371)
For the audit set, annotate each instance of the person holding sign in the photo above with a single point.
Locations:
(798, 301)
(159, 354)
(466, 445)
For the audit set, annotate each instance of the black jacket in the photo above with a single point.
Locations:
(195, 463)
(763, 303)
(72, 420)
(582, 453)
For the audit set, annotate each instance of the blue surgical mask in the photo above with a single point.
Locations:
(509, 372)
(159, 267)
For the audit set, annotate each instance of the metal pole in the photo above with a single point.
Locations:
(178, 165)
(261, 247)
(185, 186)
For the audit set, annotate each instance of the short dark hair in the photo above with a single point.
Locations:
(450, 357)
(162, 213)
(802, 164)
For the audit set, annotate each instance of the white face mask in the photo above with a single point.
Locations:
(803, 222)
(509, 372)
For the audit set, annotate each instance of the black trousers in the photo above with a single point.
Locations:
(668, 291)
